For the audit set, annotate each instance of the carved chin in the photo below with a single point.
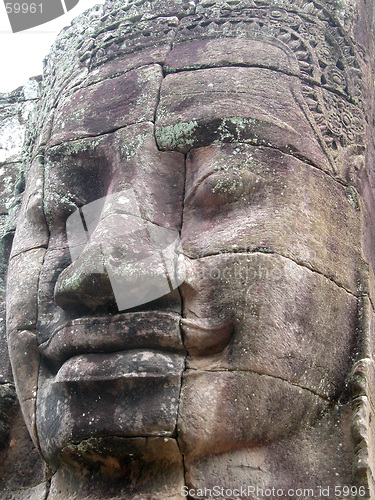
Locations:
(130, 404)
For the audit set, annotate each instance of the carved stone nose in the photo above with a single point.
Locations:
(85, 283)
(127, 262)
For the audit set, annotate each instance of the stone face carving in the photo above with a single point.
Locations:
(242, 126)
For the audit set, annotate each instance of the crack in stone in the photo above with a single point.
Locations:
(182, 339)
(37, 312)
(264, 374)
(286, 151)
(259, 251)
(111, 77)
(299, 77)
(370, 300)
(307, 161)
(156, 107)
(95, 136)
(21, 252)
(48, 488)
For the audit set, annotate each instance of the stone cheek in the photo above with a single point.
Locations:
(288, 322)
(225, 411)
(22, 290)
(275, 386)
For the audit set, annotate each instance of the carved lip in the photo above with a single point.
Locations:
(152, 331)
(132, 364)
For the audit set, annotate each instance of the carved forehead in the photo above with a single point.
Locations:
(131, 50)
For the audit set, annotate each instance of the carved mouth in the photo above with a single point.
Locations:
(129, 345)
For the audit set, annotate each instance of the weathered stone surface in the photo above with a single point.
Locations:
(124, 162)
(219, 413)
(22, 289)
(32, 230)
(131, 466)
(24, 352)
(361, 383)
(8, 406)
(108, 105)
(122, 64)
(223, 53)
(5, 367)
(49, 316)
(129, 393)
(135, 330)
(152, 37)
(5, 246)
(256, 465)
(147, 9)
(128, 159)
(23, 347)
(15, 108)
(35, 493)
(22, 468)
(9, 179)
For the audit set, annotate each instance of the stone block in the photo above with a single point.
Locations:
(108, 105)
(32, 231)
(227, 52)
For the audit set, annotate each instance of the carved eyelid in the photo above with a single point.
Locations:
(192, 192)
